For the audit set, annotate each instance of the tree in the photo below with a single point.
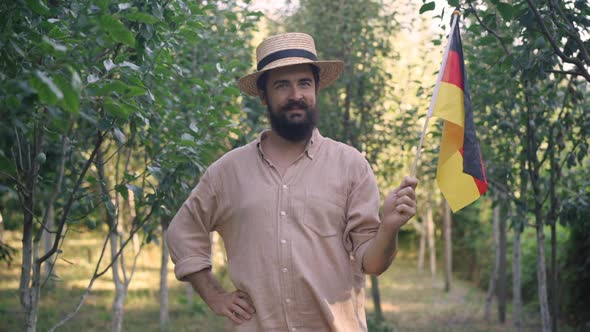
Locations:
(535, 122)
(94, 104)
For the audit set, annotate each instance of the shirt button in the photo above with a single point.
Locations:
(283, 213)
(288, 300)
(285, 186)
(294, 329)
(285, 269)
(283, 241)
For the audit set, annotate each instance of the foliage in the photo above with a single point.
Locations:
(528, 63)
(140, 90)
(355, 32)
(473, 234)
(375, 325)
(576, 265)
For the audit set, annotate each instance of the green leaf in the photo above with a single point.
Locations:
(505, 10)
(104, 125)
(57, 47)
(121, 189)
(6, 165)
(117, 30)
(121, 88)
(103, 4)
(57, 33)
(231, 16)
(487, 40)
(38, 6)
(231, 91)
(111, 209)
(141, 17)
(76, 81)
(48, 92)
(119, 111)
(256, 14)
(71, 100)
(427, 7)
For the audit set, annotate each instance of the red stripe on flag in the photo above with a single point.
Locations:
(481, 186)
(453, 72)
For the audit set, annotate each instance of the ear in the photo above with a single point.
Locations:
(262, 96)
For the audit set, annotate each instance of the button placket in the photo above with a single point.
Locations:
(285, 248)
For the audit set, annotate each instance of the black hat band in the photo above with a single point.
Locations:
(290, 53)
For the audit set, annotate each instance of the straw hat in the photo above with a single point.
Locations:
(286, 50)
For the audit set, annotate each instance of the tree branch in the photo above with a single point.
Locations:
(566, 72)
(62, 222)
(487, 28)
(570, 29)
(57, 190)
(581, 67)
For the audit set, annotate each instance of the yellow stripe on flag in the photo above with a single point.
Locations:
(449, 104)
(458, 188)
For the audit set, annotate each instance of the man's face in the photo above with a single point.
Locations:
(291, 101)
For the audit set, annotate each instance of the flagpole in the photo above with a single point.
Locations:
(435, 93)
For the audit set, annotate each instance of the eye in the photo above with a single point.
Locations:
(305, 83)
(281, 85)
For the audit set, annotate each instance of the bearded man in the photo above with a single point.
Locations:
(298, 212)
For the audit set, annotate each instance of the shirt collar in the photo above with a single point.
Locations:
(311, 147)
(314, 143)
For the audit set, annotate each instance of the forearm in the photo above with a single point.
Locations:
(381, 250)
(205, 283)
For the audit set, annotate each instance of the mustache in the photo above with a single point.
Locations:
(292, 104)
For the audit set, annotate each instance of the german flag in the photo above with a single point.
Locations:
(460, 173)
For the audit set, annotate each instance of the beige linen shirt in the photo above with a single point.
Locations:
(294, 243)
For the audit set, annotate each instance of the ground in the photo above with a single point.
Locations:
(411, 300)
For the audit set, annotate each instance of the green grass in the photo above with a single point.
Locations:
(74, 270)
(411, 300)
(415, 301)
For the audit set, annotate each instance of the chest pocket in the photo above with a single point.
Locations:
(325, 212)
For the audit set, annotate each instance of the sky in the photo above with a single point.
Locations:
(273, 8)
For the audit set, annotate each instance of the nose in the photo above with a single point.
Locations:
(295, 94)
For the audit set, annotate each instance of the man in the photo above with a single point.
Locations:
(298, 213)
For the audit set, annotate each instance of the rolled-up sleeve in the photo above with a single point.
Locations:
(362, 211)
(188, 235)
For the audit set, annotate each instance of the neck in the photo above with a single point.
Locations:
(286, 145)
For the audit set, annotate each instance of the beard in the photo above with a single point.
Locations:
(294, 130)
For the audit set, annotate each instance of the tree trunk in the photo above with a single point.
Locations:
(448, 248)
(554, 278)
(1, 227)
(431, 240)
(542, 274)
(501, 291)
(164, 316)
(494, 275)
(422, 250)
(47, 239)
(516, 277)
(120, 286)
(35, 291)
(27, 271)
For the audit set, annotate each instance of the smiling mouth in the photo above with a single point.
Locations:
(295, 112)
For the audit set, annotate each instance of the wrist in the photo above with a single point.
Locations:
(389, 227)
